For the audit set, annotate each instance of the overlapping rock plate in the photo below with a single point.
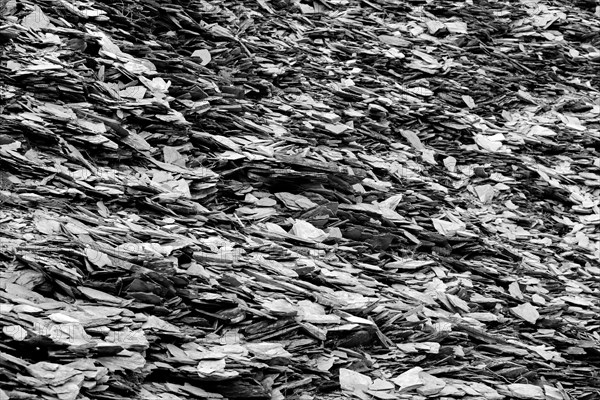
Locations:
(290, 199)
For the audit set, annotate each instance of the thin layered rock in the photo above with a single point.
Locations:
(271, 199)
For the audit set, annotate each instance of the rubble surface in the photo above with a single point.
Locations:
(269, 199)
